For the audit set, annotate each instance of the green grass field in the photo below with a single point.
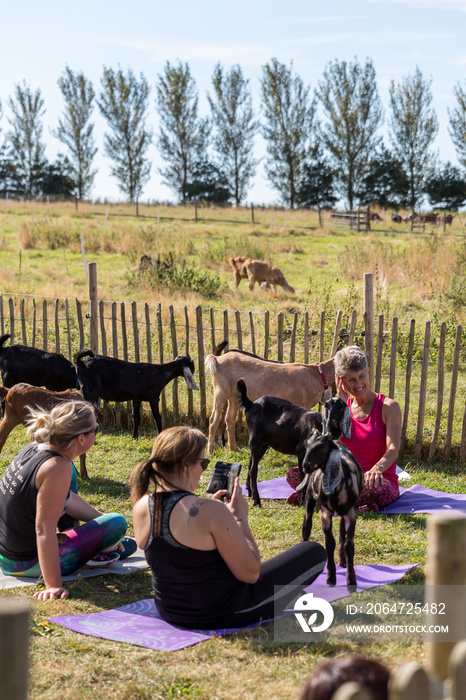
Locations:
(249, 664)
(417, 276)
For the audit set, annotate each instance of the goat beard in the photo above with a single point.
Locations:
(189, 379)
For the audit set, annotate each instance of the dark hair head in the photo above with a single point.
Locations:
(172, 451)
(325, 680)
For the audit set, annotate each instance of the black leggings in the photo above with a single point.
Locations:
(298, 566)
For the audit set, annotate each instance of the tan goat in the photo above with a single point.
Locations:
(264, 274)
(302, 384)
(20, 398)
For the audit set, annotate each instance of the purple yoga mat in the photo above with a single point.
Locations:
(419, 499)
(140, 624)
(416, 499)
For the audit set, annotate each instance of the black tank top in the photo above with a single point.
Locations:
(18, 496)
(193, 588)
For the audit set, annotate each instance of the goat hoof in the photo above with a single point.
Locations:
(352, 587)
(331, 580)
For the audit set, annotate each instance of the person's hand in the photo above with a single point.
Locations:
(373, 478)
(342, 391)
(238, 505)
(220, 495)
(51, 593)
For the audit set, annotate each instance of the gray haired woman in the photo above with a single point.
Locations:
(375, 429)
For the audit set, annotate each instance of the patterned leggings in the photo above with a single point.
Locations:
(370, 499)
(75, 546)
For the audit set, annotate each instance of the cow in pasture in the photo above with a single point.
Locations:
(448, 219)
(376, 217)
(396, 218)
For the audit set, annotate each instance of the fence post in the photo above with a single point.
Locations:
(14, 647)
(445, 571)
(409, 682)
(252, 213)
(352, 691)
(94, 320)
(440, 383)
(201, 371)
(457, 671)
(336, 333)
(454, 382)
(369, 311)
(422, 393)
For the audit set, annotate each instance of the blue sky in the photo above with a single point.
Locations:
(39, 39)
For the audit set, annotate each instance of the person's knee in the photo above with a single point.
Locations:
(117, 523)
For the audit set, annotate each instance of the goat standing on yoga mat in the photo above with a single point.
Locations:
(285, 426)
(333, 481)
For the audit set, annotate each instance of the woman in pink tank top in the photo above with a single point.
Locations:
(375, 429)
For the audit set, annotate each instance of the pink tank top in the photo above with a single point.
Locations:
(368, 439)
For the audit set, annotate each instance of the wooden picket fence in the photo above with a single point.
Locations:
(423, 368)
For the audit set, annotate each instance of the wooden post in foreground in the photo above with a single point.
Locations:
(369, 311)
(445, 584)
(14, 643)
(94, 319)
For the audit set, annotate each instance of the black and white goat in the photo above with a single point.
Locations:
(117, 380)
(285, 426)
(22, 363)
(333, 481)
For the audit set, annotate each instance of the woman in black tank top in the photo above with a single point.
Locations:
(206, 567)
(35, 494)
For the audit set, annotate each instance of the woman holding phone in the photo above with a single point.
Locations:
(206, 567)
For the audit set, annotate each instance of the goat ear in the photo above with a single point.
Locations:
(189, 379)
(324, 421)
(333, 472)
(346, 423)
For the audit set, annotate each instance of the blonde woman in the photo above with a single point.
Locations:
(206, 566)
(35, 493)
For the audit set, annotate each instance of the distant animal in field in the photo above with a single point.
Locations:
(263, 273)
(396, 218)
(376, 217)
(448, 219)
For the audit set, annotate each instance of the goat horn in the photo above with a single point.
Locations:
(189, 379)
(304, 482)
(324, 421)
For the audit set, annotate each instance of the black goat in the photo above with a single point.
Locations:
(117, 380)
(333, 480)
(285, 426)
(21, 363)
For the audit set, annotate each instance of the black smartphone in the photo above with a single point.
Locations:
(223, 477)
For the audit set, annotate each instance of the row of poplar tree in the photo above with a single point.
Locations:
(321, 146)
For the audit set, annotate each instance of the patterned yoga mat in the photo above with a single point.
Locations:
(140, 624)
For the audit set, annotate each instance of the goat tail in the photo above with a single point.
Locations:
(244, 402)
(3, 339)
(218, 349)
(82, 353)
(211, 363)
